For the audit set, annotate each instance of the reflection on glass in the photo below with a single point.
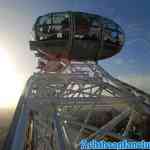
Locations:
(86, 27)
(60, 28)
(113, 35)
(44, 20)
(52, 26)
(100, 37)
(60, 18)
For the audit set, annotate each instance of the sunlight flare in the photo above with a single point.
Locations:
(10, 82)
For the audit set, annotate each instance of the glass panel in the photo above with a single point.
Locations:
(45, 20)
(57, 28)
(87, 27)
(110, 36)
(109, 24)
(94, 22)
(113, 35)
(43, 27)
(60, 27)
(119, 29)
(113, 39)
(95, 28)
(121, 38)
(82, 23)
(61, 18)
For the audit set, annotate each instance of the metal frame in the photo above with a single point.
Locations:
(64, 104)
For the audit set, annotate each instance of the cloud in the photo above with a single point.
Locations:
(140, 81)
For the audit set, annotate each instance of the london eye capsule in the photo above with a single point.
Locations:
(76, 36)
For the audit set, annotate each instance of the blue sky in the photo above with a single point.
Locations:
(132, 64)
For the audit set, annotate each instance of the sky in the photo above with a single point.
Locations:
(17, 63)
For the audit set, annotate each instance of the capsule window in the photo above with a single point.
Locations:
(82, 24)
(60, 26)
(109, 24)
(95, 28)
(87, 28)
(60, 19)
(94, 22)
(45, 20)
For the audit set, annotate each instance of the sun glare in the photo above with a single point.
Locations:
(10, 83)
